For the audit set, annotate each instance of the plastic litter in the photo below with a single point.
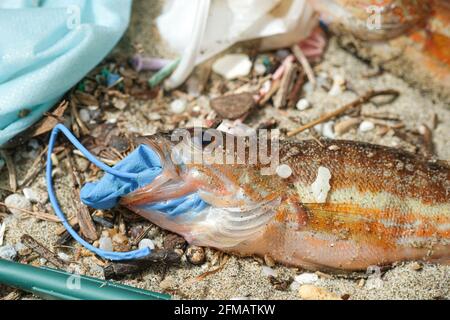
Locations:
(45, 61)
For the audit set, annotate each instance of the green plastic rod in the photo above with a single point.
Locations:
(50, 283)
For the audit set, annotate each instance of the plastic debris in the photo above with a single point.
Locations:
(232, 66)
(141, 63)
(162, 74)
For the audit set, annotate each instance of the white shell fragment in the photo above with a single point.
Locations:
(321, 186)
(146, 243)
(105, 243)
(366, 126)
(268, 272)
(303, 104)
(232, 66)
(306, 278)
(178, 106)
(35, 195)
(338, 86)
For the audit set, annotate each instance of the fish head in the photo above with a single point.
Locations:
(240, 200)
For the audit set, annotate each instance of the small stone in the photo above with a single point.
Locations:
(195, 255)
(269, 261)
(416, 266)
(178, 106)
(233, 106)
(361, 283)
(35, 195)
(63, 256)
(268, 272)
(146, 243)
(303, 104)
(18, 201)
(167, 283)
(119, 103)
(173, 241)
(260, 69)
(366, 126)
(311, 292)
(8, 252)
(306, 278)
(85, 115)
(338, 86)
(105, 243)
(232, 66)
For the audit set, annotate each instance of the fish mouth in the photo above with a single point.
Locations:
(169, 184)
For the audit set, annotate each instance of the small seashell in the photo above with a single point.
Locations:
(311, 292)
(195, 255)
(178, 106)
(306, 278)
(146, 243)
(303, 104)
(366, 126)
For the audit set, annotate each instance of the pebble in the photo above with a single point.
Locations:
(178, 106)
(85, 115)
(303, 104)
(416, 266)
(63, 256)
(35, 195)
(306, 278)
(119, 103)
(105, 243)
(17, 201)
(195, 255)
(232, 66)
(311, 292)
(338, 86)
(173, 241)
(260, 69)
(268, 272)
(146, 243)
(8, 252)
(233, 106)
(366, 126)
(167, 283)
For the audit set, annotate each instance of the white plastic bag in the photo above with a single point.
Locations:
(199, 29)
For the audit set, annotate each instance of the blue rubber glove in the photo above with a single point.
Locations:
(106, 193)
(46, 47)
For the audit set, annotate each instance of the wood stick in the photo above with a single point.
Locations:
(37, 247)
(11, 170)
(298, 53)
(40, 215)
(355, 104)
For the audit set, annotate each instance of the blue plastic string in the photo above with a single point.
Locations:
(54, 201)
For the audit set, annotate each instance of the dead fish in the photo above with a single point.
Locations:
(383, 205)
